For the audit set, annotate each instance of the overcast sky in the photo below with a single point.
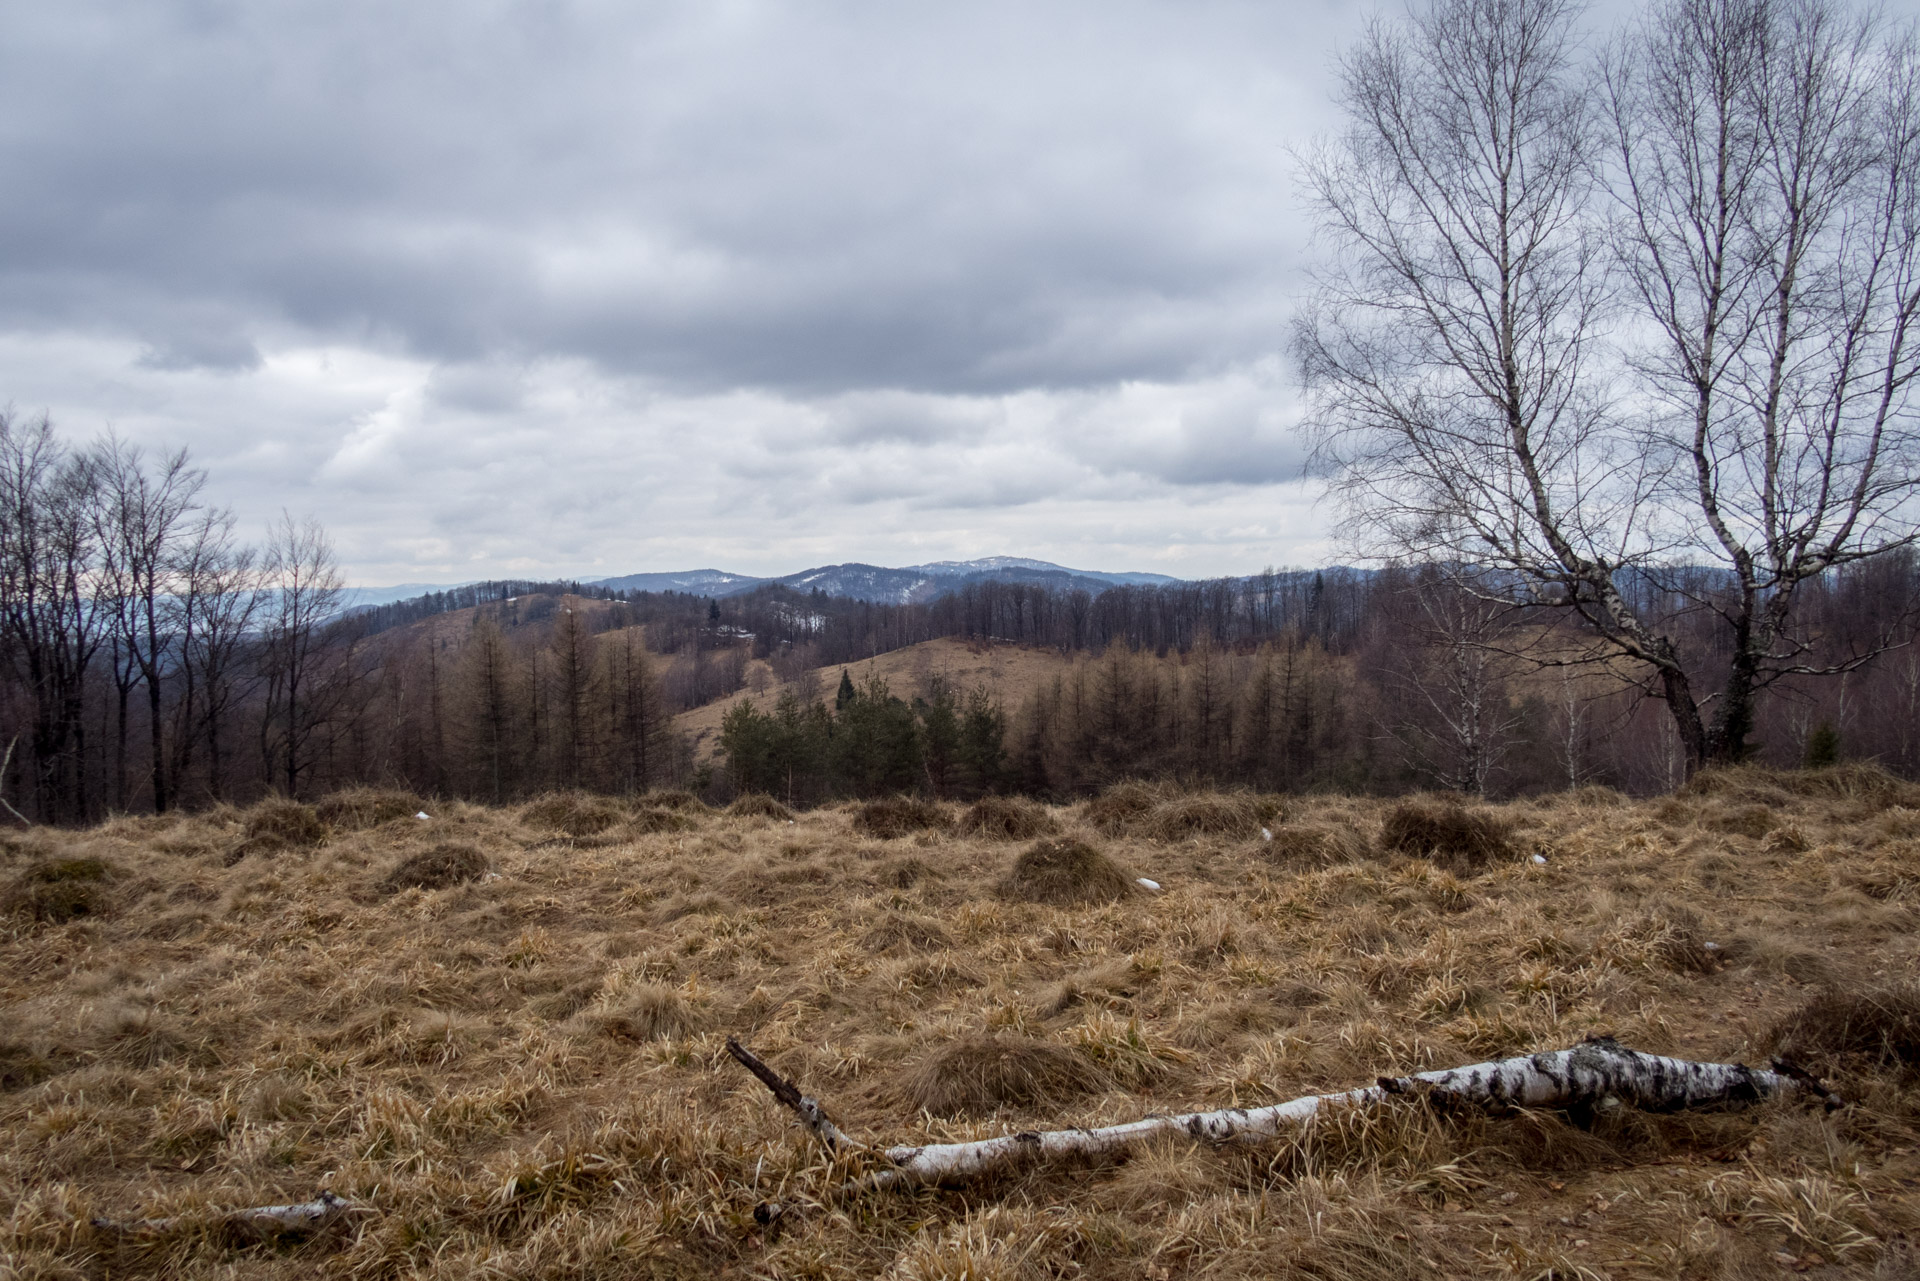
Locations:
(597, 288)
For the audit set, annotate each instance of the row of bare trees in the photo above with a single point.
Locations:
(128, 606)
(1605, 315)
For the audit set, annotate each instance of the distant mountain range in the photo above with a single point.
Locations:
(876, 583)
(879, 583)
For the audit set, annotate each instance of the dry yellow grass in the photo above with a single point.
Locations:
(523, 1075)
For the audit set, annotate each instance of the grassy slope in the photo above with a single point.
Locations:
(1009, 673)
(524, 1075)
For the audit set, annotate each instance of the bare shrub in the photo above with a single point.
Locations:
(1007, 818)
(1879, 1024)
(978, 1075)
(1067, 873)
(895, 816)
(759, 805)
(277, 823)
(571, 813)
(1447, 833)
(56, 891)
(354, 809)
(445, 864)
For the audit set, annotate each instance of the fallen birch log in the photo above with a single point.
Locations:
(1596, 1074)
(259, 1222)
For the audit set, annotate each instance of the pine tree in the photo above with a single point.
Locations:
(876, 744)
(982, 751)
(940, 734)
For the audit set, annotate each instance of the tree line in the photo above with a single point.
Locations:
(151, 658)
(1429, 685)
(155, 659)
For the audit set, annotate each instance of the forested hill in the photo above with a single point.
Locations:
(1328, 604)
(870, 584)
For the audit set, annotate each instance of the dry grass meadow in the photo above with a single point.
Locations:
(501, 1032)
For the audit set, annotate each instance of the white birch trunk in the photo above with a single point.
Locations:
(1598, 1073)
(260, 1221)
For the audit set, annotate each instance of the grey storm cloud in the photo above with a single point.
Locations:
(812, 196)
(505, 287)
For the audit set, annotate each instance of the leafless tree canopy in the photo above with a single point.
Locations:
(1630, 314)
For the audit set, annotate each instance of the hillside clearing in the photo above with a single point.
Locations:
(524, 1074)
(1010, 674)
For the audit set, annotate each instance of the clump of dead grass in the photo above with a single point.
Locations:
(1751, 821)
(59, 890)
(905, 873)
(652, 820)
(896, 933)
(894, 816)
(675, 798)
(1164, 812)
(1316, 845)
(1124, 804)
(759, 805)
(1447, 833)
(977, 1076)
(1676, 938)
(355, 809)
(278, 823)
(1853, 781)
(22, 1065)
(143, 1038)
(1878, 1024)
(571, 813)
(1007, 818)
(649, 1012)
(1235, 815)
(446, 864)
(1066, 873)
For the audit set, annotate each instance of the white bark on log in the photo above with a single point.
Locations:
(259, 1221)
(1599, 1073)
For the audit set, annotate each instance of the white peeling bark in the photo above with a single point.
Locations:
(1600, 1072)
(259, 1221)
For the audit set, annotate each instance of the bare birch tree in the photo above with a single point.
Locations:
(142, 519)
(220, 601)
(1740, 184)
(303, 594)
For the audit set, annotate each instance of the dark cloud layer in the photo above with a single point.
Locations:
(425, 266)
(819, 196)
